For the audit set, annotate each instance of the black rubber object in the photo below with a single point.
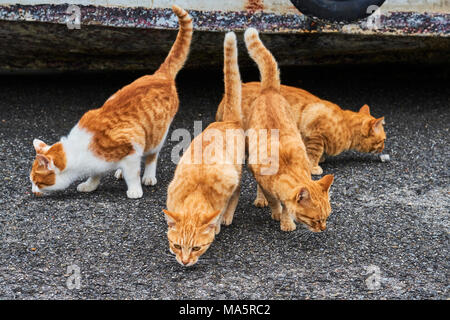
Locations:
(337, 10)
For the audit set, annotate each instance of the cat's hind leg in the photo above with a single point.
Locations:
(149, 177)
(314, 148)
(131, 171)
(231, 207)
(90, 184)
(260, 200)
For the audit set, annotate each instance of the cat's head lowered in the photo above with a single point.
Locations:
(310, 204)
(47, 166)
(190, 235)
(372, 132)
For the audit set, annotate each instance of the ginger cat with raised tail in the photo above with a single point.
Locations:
(326, 129)
(204, 191)
(291, 193)
(132, 123)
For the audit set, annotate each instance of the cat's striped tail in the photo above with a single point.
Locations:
(180, 49)
(232, 80)
(268, 67)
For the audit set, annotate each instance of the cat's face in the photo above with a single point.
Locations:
(189, 238)
(372, 132)
(311, 204)
(49, 162)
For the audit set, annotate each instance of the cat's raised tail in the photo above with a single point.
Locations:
(180, 49)
(268, 67)
(232, 80)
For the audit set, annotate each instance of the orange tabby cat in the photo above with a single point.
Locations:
(133, 123)
(326, 129)
(204, 194)
(291, 193)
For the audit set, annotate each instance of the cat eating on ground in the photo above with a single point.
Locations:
(204, 194)
(326, 129)
(132, 124)
(290, 191)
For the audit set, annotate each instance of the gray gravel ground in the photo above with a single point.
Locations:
(388, 235)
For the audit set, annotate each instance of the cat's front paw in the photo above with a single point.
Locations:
(118, 174)
(227, 220)
(260, 202)
(149, 181)
(135, 193)
(287, 225)
(317, 170)
(217, 228)
(86, 187)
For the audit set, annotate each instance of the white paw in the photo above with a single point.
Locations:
(86, 187)
(135, 193)
(149, 181)
(118, 174)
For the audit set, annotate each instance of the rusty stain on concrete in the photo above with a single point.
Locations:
(254, 5)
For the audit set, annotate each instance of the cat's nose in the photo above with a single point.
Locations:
(184, 262)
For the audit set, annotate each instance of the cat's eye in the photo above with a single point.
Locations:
(195, 248)
(177, 246)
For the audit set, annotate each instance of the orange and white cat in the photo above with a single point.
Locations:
(204, 194)
(132, 123)
(291, 193)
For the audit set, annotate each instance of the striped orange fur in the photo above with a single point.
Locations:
(141, 112)
(326, 129)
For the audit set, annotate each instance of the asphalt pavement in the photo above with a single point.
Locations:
(387, 237)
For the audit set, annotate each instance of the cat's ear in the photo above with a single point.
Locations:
(365, 110)
(377, 125)
(40, 146)
(45, 161)
(210, 220)
(326, 182)
(172, 218)
(302, 195)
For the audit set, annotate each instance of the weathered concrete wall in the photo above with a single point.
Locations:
(46, 46)
(112, 37)
(389, 22)
(275, 6)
